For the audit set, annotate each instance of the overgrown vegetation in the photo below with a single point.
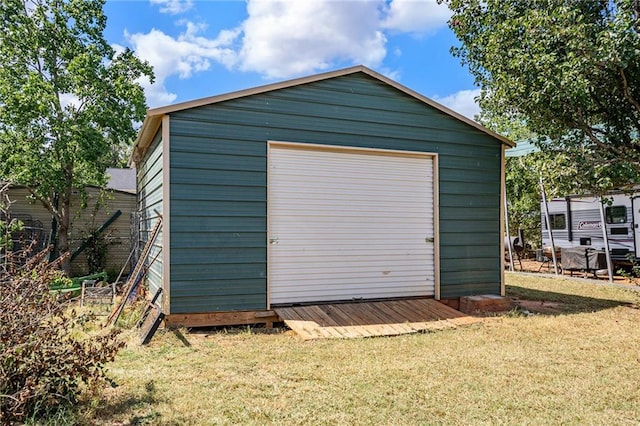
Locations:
(47, 359)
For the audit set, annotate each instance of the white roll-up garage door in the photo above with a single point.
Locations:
(349, 224)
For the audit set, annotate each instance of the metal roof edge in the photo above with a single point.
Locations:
(438, 106)
(255, 90)
(120, 191)
(154, 115)
(146, 133)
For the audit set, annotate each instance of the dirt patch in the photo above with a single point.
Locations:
(537, 306)
(533, 266)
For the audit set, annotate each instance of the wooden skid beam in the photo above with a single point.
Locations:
(214, 319)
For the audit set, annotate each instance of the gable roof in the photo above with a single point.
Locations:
(154, 115)
(122, 179)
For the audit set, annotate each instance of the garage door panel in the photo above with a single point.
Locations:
(406, 226)
(389, 251)
(380, 260)
(317, 273)
(329, 252)
(345, 184)
(343, 294)
(348, 225)
(350, 161)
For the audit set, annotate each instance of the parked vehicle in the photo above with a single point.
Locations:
(576, 221)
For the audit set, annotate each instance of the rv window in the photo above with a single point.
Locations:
(558, 221)
(616, 214)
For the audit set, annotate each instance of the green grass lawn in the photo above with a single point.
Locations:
(578, 362)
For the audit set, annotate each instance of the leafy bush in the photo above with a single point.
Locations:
(97, 251)
(46, 361)
(59, 280)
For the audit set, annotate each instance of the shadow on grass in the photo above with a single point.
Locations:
(552, 303)
(140, 404)
(278, 328)
(176, 332)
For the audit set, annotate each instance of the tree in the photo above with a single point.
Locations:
(67, 100)
(522, 176)
(569, 70)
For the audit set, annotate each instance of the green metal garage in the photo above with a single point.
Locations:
(335, 187)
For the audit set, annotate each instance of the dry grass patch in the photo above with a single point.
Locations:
(577, 366)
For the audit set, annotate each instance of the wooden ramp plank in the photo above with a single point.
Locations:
(369, 319)
(325, 325)
(379, 326)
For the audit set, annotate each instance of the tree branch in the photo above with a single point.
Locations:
(627, 93)
(46, 202)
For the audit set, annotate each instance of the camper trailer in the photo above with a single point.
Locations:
(576, 222)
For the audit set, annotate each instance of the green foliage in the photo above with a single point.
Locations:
(60, 281)
(569, 71)
(96, 251)
(522, 178)
(46, 360)
(98, 242)
(8, 226)
(68, 101)
(523, 194)
(631, 271)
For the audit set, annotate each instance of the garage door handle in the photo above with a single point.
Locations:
(273, 240)
(429, 240)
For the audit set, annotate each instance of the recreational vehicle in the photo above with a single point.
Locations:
(576, 221)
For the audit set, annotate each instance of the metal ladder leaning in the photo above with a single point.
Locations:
(136, 275)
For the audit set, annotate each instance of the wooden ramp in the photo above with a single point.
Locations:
(368, 319)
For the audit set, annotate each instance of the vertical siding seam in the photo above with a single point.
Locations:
(503, 194)
(166, 216)
(268, 236)
(436, 225)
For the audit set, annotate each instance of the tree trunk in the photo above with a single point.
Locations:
(63, 230)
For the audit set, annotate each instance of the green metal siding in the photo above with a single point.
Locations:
(219, 178)
(149, 177)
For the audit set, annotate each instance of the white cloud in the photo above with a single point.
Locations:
(118, 49)
(416, 16)
(286, 38)
(183, 56)
(463, 102)
(69, 100)
(173, 7)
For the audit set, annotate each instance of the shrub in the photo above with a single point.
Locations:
(46, 361)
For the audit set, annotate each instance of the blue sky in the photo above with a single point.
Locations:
(205, 48)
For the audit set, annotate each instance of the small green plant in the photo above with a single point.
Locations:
(632, 275)
(633, 272)
(59, 280)
(7, 228)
